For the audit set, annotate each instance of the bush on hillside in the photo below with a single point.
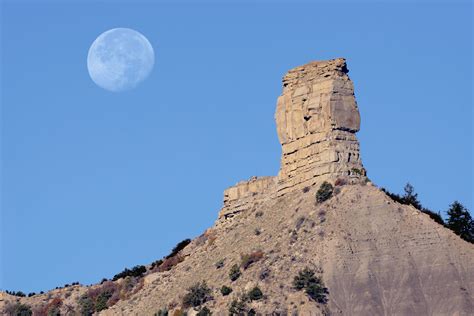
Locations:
(18, 309)
(411, 198)
(234, 272)
(255, 294)
(136, 271)
(156, 264)
(197, 295)
(180, 246)
(460, 221)
(324, 192)
(313, 286)
(225, 290)
(17, 293)
(100, 298)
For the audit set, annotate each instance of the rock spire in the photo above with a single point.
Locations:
(317, 118)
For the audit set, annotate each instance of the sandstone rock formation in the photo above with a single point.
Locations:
(317, 118)
(376, 257)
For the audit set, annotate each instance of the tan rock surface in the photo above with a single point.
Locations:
(317, 118)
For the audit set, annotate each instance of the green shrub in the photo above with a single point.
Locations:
(136, 271)
(180, 246)
(86, 305)
(101, 301)
(197, 295)
(313, 286)
(234, 272)
(225, 290)
(204, 312)
(255, 294)
(156, 263)
(460, 221)
(324, 192)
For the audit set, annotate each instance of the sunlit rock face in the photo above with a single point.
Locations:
(317, 118)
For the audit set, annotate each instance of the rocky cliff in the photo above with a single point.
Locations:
(374, 255)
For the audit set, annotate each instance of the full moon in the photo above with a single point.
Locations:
(119, 59)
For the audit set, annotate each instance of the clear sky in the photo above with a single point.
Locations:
(95, 181)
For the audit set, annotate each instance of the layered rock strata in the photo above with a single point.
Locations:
(317, 118)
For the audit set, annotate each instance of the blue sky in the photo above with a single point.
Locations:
(94, 181)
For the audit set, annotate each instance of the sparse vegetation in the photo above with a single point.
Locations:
(86, 305)
(411, 198)
(306, 189)
(156, 264)
(259, 214)
(100, 298)
(313, 286)
(136, 271)
(234, 272)
(17, 293)
(255, 294)
(18, 309)
(324, 192)
(180, 246)
(50, 309)
(197, 295)
(248, 259)
(225, 290)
